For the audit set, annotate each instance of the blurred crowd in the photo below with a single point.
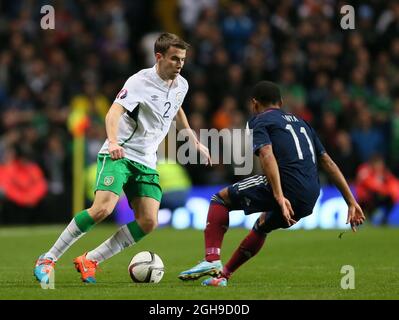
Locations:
(343, 82)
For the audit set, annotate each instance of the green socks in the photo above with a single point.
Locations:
(135, 231)
(84, 221)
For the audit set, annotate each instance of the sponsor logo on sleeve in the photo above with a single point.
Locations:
(122, 94)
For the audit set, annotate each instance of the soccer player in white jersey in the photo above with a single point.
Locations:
(136, 124)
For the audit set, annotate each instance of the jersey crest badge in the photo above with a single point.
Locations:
(108, 180)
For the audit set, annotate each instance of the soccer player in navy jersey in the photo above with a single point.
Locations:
(290, 153)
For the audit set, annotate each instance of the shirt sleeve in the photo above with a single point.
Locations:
(260, 135)
(129, 97)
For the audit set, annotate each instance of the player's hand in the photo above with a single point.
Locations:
(204, 152)
(286, 210)
(355, 216)
(116, 151)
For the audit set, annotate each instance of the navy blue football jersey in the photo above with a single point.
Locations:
(296, 148)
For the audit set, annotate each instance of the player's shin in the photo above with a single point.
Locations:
(126, 236)
(79, 225)
(248, 248)
(216, 226)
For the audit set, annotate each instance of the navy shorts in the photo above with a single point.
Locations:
(254, 194)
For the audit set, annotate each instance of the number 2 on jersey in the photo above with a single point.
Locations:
(297, 144)
(165, 115)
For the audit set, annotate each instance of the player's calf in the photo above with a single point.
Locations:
(248, 248)
(99, 213)
(103, 205)
(216, 226)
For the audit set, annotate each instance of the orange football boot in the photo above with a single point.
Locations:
(86, 267)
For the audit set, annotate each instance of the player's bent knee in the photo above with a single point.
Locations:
(260, 226)
(221, 197)
(216, 198)
(147, 224)
(224, 193)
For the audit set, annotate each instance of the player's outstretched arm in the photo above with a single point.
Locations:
(355, 213)
(111, 126)
(182, 123)
(270, 169)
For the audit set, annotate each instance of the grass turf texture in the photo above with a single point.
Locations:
(292, 265)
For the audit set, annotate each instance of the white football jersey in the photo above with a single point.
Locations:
(151, 106)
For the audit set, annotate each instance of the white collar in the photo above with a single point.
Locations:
(161, 82)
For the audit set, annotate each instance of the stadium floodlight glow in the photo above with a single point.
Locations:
(237, 218)
(199, 210)
(181, 218)
(334, 213)
(164, 217)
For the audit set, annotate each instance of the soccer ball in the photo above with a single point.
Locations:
(146, 266)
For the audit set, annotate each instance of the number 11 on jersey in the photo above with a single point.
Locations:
(298, 145)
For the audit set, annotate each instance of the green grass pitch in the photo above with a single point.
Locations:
(303, 264)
